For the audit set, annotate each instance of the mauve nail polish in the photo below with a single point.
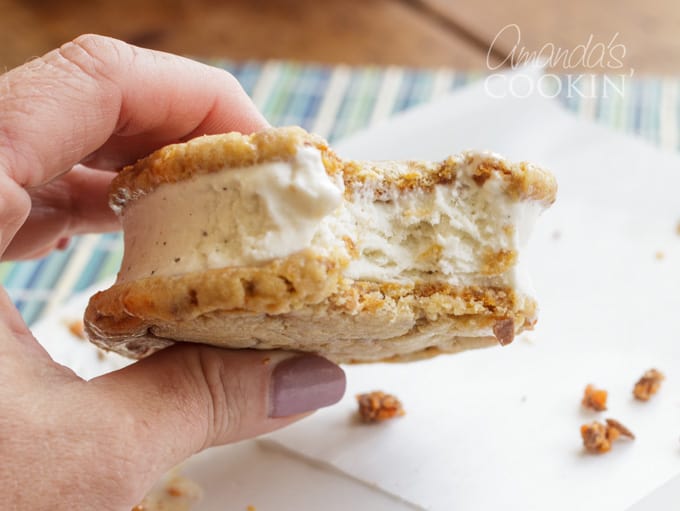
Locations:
(305, 383)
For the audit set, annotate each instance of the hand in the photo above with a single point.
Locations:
(66, 121)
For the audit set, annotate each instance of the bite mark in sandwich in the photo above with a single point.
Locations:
(272, 241)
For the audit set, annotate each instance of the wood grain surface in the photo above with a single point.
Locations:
(648, 30)
(417, 33)
(356, 32)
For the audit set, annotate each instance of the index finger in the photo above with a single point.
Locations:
(108, 102)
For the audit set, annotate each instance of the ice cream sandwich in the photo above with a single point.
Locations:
(272, 241)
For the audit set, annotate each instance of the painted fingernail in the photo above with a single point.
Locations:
(305, 383)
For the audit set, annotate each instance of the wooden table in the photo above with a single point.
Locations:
(418, 33)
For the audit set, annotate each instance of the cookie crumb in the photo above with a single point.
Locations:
(659, 255)
(594, 399)
(378, 406)
(174, 491)
(250, 508)
(177, 494)
(648, 384)
(677, 228)
(77, 328)
(598, 437)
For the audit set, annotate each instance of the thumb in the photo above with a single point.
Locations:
(187, 398)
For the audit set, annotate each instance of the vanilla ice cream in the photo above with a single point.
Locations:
(234, 217)
(249, 216)
(448, 233)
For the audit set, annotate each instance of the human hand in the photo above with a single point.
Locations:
(66, 120)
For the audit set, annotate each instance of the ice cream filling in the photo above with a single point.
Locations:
(234, 217)
(461, 232)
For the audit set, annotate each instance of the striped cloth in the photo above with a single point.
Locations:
(334, 102)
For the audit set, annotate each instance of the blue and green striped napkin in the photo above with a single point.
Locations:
(335, 102)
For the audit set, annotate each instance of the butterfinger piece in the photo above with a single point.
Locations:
(648, 384)
(77, 328)
(598, 437)
(377, 406)
(595, 438)
(595, 399)
(615, 425)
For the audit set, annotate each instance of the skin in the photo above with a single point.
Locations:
(67, 120)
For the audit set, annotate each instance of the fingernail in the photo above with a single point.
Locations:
(305, 383)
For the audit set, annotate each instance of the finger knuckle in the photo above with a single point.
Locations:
(95, 55)
(226, 396)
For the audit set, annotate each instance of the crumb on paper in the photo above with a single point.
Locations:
(659, 255)
(594, 399)
(378, 406)
(619, 429)
(677, 228)
(177, 494)
(77, 328)
(174, 491)
(101, 355)
(557, 234)
(648, 384)
(598, 437)
(594, 437)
